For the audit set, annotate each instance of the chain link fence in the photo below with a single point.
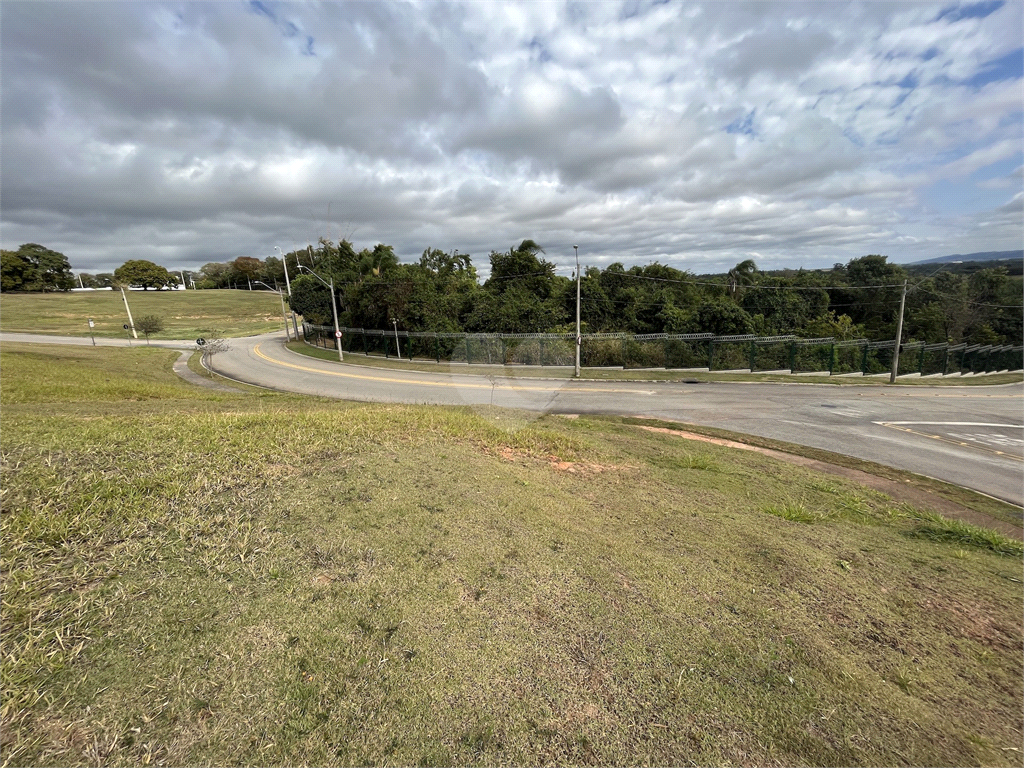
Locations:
(678, 351)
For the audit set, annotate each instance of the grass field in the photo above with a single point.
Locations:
(185, 314)
(200, 577)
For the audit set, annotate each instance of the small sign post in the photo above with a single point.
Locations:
(91, 335)
(129, 333)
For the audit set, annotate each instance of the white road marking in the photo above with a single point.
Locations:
(952, 424)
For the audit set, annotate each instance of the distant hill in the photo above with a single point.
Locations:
(980, 256)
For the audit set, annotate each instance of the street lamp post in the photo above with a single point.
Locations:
(288, 285)
(129, 311)
(899, 323)
(284, 314)
(334, 309)
(579, 336)
(398, 349)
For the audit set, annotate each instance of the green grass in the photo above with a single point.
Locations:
(201, 577)
(639, 374)
(185, 314)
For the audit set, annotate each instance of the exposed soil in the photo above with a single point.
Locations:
(901, 491)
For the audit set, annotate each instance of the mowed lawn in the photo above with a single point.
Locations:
(185, 314)
(201, 577)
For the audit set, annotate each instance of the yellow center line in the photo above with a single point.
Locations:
(427, 383)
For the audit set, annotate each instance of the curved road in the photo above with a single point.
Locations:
(970, 436)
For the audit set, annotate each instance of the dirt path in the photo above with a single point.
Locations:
(901, 491)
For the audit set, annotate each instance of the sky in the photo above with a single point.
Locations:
(693, 134)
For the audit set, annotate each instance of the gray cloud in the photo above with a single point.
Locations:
(694, 134)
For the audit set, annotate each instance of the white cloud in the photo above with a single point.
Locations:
(694, 134)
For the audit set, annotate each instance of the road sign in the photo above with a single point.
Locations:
(337, 334)
(125, 326)
(201, 342)
(91, 323)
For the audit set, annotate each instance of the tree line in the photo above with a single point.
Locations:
(34, 268)
(523, 294)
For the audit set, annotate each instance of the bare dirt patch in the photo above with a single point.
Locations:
(900, 491)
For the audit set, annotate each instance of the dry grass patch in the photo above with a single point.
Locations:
(270, 579)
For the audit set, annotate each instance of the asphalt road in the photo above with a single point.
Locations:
(970, 436)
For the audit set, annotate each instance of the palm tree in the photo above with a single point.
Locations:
(742, 274)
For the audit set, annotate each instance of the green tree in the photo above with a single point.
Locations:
(34, 267)
(149, 324)
(14, 271)
(722, 318)
(311, 299)
(143, 274)
(740, 275)
(248, 268)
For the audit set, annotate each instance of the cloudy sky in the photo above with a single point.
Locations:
(694, 134)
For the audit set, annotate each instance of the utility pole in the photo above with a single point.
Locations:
(184, 285)
(288, 286)
(899, 337)
(398, 349)
(579, 337)
(127, 309)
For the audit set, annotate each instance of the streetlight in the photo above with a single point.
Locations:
(579, 337)
(130, 321)
(288, 285)
(283, 313)
(899, 324)
(334, 309)
(398, 349)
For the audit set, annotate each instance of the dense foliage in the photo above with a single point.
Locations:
(143, 274)
(523, 294)
(34, 268)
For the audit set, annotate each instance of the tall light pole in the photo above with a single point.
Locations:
(283, 313)
(129, 311)
(579, 336)
(899, 337)
(288, 285)
(334, 309)
(899, 322)
(184, 285)
(398, 349)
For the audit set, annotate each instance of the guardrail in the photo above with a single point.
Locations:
(679, 351)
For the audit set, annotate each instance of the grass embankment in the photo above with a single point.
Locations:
(203, 577)
(185, 314)
(640, 374)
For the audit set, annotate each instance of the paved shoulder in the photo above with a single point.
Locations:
(181, 368)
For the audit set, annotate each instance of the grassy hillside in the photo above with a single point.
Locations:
(196, 577)
(186, 314)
